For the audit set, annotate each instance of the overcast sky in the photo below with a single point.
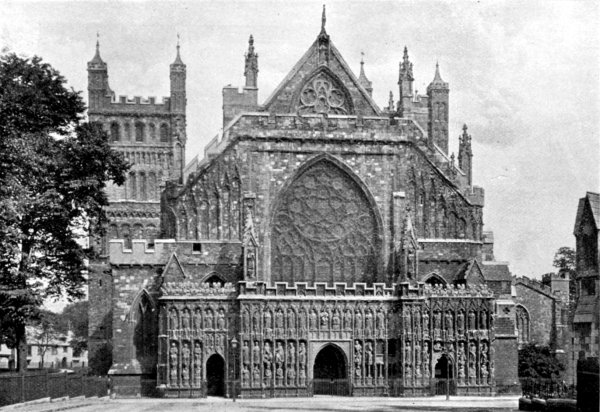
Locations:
(523, 75)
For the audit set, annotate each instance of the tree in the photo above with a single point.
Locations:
(538, 362)
(74, 318)
(45, 333)
(53, 171)
(564, 261)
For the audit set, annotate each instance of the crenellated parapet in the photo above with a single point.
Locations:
(300, 290)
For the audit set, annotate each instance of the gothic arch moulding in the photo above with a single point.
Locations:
(325, 226)
(323, 92)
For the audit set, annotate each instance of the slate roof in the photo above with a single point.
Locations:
(594, 201)
(496, 271)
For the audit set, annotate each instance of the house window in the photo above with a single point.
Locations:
(29, 350)
(55, 350)
(65, 349)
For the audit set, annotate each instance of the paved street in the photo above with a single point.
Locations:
(317, 403)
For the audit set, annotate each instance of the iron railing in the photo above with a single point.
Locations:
(334, 387)
(28, 386)
(547, 388)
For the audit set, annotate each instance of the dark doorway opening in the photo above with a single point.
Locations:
(215, 376)
(329, 373)
(444, 371)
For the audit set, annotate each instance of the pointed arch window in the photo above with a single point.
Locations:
(115, 132)
(139, 132)
(144, 331)
(164, 133)
(522, 321)
(152, 131)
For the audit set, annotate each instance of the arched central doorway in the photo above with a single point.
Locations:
(330, 375)
(444, 371)
(215, 376)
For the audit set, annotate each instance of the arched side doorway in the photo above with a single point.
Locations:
(444, 371)
(215, 376)
(330, 375)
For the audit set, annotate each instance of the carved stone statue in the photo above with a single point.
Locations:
(267, 361)
(348, 319)
(221, 319)
(197, 319)
(291, 319)
(173, 321)
(426, 323)
(312, 320)
(302, 320)
(417, 321)
(368, 321)
(302, 355)
(291, 374)
(256, 321)
(245, 321)
(302, 376)
(245, 376)
(460, 322)
(357, 358)
(197, 362)
(483, 320)
(472, 325)
(279, 375)
(449, 323)
(267, 319)
(426, 365)
(279, 319)
(358, 324)
(279, 355)
(185, 320)
(173, 355)
(324, 319)
(369, 358)
(246, 353)
(380, 320)
(437, 320)
(291, 355)
(208, 319)
(256, 353)
(335, 320)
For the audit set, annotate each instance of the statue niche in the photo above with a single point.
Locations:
(324, 229)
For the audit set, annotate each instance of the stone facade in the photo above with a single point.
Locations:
(151, 136)
(586, 323)
(321, 238)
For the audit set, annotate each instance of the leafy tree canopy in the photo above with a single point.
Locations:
(538, 362)
(53, 169)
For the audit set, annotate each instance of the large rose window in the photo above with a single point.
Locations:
(324, 230)
(321, 95)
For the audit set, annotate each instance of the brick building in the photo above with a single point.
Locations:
(321, 237)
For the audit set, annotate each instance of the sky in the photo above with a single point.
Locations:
(524, 76)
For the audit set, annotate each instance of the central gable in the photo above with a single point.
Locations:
(321, 82)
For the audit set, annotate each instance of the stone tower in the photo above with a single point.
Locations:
(438, 111)
(151, 136)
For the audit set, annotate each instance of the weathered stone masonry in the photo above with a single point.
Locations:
(317, 224)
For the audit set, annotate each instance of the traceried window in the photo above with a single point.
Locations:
(324, 229)
(115, 132)
(139, 132)
(164, 133)
(323, 94)
(522, 318)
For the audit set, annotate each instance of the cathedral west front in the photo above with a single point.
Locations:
(324, 244)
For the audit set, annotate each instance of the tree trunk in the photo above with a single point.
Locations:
(21, 365)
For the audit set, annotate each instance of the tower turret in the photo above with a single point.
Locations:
(465, 155)
(177, 76)
(405, 81)
(251, 67)
(438, 91)
(97, 79)
(362, 78)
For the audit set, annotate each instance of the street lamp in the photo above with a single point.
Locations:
(234, 344)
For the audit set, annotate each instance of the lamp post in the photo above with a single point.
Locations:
(234, 344)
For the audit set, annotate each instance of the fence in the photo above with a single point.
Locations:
(28, 386)
(547, 388)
